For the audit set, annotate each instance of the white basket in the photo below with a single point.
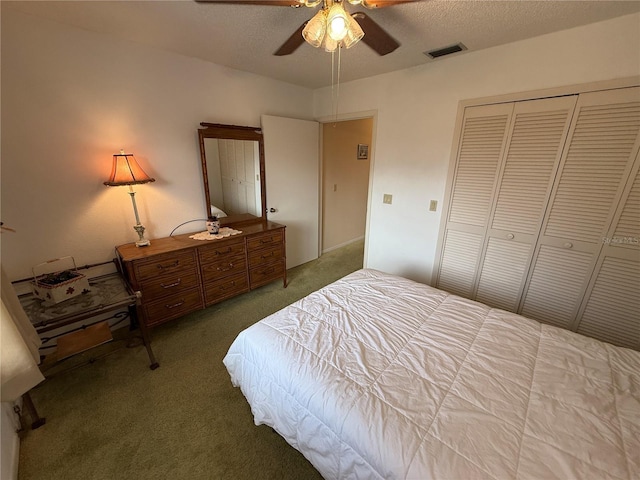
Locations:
(59, 285)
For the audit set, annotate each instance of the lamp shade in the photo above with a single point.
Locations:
(126, 171)
(354, 33)
(315, 29)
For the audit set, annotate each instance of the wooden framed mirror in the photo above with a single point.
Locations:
(233, 172)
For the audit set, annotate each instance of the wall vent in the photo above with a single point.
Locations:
(441, 52)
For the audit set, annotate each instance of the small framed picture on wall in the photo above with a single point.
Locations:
(363, 151)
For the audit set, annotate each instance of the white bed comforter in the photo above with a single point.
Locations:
(376, 376)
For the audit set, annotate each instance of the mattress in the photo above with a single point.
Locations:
(379, 377)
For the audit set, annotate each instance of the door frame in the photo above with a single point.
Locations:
(343, 117)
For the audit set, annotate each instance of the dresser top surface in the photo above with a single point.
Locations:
(130, 252)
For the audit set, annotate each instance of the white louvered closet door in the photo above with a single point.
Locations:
(536, 139)
(480, 150)
(611, 309)
(238, 159)
(246, 155)
(594, 172)
(228, 173)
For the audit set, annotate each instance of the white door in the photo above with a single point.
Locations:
(292, 164)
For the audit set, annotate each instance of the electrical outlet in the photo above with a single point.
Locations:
(387, 198)
(433, 205)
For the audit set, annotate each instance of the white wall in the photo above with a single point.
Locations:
(416, 117)
(71, 99)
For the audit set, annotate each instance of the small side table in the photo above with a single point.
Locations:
(107, 293)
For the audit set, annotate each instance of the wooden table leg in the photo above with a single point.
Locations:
(146, 337)
(27, 404)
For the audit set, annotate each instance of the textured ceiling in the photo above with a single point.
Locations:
(244, 37)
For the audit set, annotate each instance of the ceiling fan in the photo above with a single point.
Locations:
(355, 26)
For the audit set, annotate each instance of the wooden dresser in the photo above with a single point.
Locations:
(178, 275)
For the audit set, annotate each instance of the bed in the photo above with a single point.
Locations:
(379, 377)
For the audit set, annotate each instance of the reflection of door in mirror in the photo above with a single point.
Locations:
(233, 168)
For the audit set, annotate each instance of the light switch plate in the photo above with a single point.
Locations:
(387, 198)
(433, 205)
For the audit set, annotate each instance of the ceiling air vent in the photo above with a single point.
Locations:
(441, 52)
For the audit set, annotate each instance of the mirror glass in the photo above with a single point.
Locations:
(233, 171)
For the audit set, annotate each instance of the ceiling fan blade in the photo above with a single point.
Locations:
(374, 36)
(296, 3)
(277, 3)
(385, 3)
(292, 43)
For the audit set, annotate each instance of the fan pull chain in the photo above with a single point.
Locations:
(338, 84)
(335, 83)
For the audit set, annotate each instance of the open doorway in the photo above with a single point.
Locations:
(346, 165)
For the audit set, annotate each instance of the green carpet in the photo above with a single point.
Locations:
(116, 419)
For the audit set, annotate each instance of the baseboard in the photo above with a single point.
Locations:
(10, 443)
(344, 244)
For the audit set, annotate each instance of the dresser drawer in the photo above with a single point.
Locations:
(224, 267)
(214, 253)
(265, 240)
(225, 288)
(169, 284)
(166, 264)
(266, 273)
(266, 255)
(173, 306)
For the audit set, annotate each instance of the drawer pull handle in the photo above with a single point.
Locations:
(262, 240)
(220, 269)
(568, 245)
(228, 250)
(224, 287)
(171, 285)
(511, 236)
(175, 305)
(268, 271)
(267, 256)
(171, 265)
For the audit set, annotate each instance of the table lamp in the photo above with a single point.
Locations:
(126, 171)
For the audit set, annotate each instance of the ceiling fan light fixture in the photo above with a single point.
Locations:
(330, 45)
(337, 22)
(314, 31)
(331, 28)
(364, 3)
(354, 34)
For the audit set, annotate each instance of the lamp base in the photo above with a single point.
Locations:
(142, 242)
